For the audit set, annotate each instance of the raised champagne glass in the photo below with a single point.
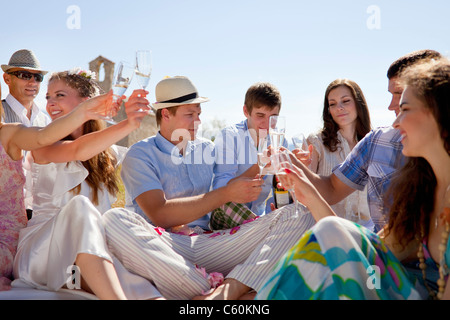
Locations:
(122, 78)
(144, 69)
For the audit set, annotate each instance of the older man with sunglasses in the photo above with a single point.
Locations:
(23, 76)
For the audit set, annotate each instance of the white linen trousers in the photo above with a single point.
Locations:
(247, 253)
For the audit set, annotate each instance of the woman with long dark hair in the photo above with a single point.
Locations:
(346, 120)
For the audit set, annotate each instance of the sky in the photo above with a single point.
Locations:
(226, 46)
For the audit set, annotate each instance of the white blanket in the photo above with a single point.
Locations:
(22, 291)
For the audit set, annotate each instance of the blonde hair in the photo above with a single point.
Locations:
(101, 167)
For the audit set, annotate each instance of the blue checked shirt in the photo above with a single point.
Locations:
(373, 161)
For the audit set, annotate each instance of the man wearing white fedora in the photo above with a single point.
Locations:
(168, 182)
(23, 75)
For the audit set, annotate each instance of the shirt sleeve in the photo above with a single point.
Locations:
(139, 173)
(226, 165)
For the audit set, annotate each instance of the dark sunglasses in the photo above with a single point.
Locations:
(25, 75)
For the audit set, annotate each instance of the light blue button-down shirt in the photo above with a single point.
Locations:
(155, 163)
(236, 153)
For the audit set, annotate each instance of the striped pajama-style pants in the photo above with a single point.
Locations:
(247, 253)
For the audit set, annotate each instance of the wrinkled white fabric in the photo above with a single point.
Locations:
(63, 225)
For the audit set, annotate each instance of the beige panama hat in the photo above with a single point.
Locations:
(24, 59)
(176, 91)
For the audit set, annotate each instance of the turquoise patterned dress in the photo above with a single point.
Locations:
(338, 259)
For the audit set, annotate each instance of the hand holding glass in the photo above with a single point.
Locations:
(301, 144)
(263, 158)
(277, 129)
(280, 161)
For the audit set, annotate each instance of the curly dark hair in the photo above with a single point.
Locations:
(330, 127)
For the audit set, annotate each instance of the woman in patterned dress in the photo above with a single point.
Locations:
(14, 138)
(409, 258)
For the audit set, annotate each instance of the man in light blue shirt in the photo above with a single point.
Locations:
(168, 179)
(168, 176)
(236, 145)
(152, 164)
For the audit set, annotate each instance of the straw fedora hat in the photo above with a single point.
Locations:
(24, 59)
(176, 91)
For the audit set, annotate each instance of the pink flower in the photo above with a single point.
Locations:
(160, 230)
(215, 235)
(202, 271)
(250, 220)
(215, 279)
(234, 230)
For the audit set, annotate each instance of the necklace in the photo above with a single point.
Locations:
(442, 266)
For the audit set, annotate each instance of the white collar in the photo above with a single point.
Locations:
(21, 111)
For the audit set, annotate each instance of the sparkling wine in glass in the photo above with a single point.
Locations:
(277, 130)
(143, 68)
(121, 81)
(301, 144)
(263, 158)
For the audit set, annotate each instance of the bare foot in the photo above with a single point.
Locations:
(230, 289)
(248, 296)
(5, 284)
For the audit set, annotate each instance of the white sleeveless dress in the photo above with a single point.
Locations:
(63, 225)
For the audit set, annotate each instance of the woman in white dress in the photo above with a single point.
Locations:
(74, 182)
(346, 120)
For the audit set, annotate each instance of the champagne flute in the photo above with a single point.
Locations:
(277, 130)
(122, 79)
(280, 161)
(300, 143)
(263, 158)
(144, 69)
